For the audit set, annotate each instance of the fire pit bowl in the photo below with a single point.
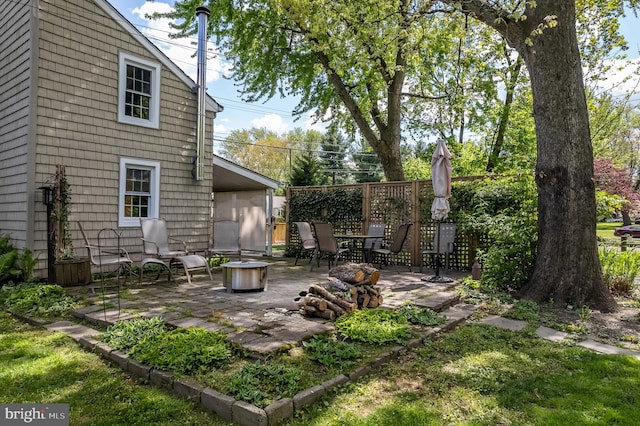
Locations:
(242, 276)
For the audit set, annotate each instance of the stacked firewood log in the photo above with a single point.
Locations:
(349, 287)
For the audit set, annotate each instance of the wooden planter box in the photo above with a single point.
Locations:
(73, 272)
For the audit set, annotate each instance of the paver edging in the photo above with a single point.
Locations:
(237, 411)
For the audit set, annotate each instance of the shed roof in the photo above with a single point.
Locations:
(229, 176)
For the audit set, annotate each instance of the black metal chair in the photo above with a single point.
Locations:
(384, 254)
(326, 244)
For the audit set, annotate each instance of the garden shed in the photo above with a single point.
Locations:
(244, 196)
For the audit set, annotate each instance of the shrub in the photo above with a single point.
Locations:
(375, 326)
(619, 269)
(124, 335)
(260, 383)
(420, 316)
(184, 351)
(505, 212)
(39, 300)
(329, 352)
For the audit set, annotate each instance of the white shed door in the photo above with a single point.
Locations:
(248, 208)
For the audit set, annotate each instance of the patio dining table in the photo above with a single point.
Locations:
(362, 238)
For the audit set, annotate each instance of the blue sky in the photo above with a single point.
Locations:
(276, 113)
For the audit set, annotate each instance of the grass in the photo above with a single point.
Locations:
(605, 229)
(38, 366)
(475, 375)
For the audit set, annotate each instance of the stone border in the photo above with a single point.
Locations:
(225, 406)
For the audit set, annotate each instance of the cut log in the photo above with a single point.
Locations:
(317, 302)
(355, 273)
(347, 306)
(328, 314)
(363, 300)
(373, 302)
(335, 308)
(372, 291)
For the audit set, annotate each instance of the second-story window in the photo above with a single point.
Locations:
(139, 91)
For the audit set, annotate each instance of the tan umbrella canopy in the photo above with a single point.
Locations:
(441, 180)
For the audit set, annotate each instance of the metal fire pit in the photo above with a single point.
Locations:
(242, 276)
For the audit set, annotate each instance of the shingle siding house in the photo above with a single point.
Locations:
(81, 87)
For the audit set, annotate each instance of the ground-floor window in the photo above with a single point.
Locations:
(139, 190)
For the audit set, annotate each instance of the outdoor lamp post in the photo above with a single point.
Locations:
(47, 200)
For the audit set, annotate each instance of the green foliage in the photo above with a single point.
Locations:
(124, 335)
(607, 205)
(9, 266)
(619, 268)
(217, 261)
(262, 383)
(307, 171)
(504, 211)
(375, 326)
(523, 310)
(27, 262)
(420, 316)
(329, 352)
(184, 350)
(37, 300)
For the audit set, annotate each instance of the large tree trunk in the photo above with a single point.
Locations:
(567, 268)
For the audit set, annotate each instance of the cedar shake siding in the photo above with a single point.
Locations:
(79, 48)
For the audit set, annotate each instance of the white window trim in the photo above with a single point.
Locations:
(154, 206)
(154, 112)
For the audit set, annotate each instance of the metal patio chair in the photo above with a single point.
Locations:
(327, 245)
(308, 243)
(384, 254)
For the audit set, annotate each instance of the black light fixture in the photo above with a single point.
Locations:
(47, 195)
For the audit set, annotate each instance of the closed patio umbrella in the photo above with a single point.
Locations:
(441, 181)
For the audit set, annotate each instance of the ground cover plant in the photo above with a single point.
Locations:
(473, 375)
(37, 300)
(183, 351)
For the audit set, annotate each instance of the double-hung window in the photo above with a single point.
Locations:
(139, 191)
(138, 91)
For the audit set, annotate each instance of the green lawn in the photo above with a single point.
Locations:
(605, 229)
(475, 375)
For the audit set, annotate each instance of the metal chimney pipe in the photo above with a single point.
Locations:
(202, 13)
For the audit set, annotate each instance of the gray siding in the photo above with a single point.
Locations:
(79, 48)
(15, 86)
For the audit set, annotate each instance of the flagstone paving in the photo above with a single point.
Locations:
(260, 321)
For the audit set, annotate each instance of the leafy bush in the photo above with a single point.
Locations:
(329, 352)
(184, 350)
(619, 269)
(420, 316)
(124, 335)
(38, 300)
(505, 212)
(375, 326)
(260, 383)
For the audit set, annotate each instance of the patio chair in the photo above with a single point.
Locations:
(385, 253)
(377, 230)
(308, 242)
(226, 239)
(156, 240)
(446, 236)
(107, 258)
(326, 244)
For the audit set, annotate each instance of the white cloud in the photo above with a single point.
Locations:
(319, 126)
(623, 79)
(271, 122)
(181, 51)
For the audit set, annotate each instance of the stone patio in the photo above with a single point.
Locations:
(261, 321)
